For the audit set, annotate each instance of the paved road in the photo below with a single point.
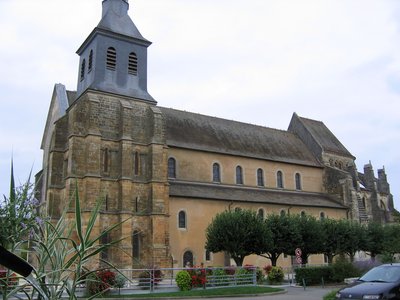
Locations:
(293, 293)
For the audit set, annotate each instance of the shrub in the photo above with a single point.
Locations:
(198, 275)
(343, 269)
(267, 269)
(219, 277)
(365, 265)
(331, 295)
(314, 275)
(275, 275)
(245, 275)
(120, 281)
(153, 276)
(183, 280)
(100, 282)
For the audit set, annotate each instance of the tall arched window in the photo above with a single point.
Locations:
(239, 175)
(260, 177)
(106, 160)
(132, 64)
(261, 213)
(188, 259)
(171, 167)
(182, 219)
(111, 60)
(83, 66)
(90, 66)
(321, 215)
(136, 245)
(216, 173)
(279, 179)
(104, 240)
(136, 163)
(298, 181)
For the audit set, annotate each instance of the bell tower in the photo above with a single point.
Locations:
(113, 58)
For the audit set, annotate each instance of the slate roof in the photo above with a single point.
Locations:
(324, 137)
(211, 134)
(254, 195)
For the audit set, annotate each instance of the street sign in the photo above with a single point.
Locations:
(297, 252)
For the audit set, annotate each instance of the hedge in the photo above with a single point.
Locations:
(314, 275)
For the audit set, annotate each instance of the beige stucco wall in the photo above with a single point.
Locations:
(200, 212)
(201, 171)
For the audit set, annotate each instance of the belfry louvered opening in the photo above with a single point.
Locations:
(111, 59)
(132, 66)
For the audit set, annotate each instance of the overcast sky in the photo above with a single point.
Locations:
(255, 61)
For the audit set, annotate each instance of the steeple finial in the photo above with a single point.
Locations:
(119, 7)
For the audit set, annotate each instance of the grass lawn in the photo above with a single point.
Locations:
(208, 292)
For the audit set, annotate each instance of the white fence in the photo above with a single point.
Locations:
(202, 277)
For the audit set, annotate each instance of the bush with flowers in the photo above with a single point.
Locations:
(198, 276)
(150, 277)
(276, 275)
(100, 281)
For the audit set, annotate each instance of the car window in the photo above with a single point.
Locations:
(383, 273)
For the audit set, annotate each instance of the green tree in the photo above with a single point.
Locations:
(285, 236)
(375, 236)
(391, 242)
(353, 236)
(312, 236)
(239, 233)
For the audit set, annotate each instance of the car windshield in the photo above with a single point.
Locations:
(382, 274)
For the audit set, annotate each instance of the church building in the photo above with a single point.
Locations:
(172, 171)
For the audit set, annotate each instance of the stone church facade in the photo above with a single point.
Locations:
(171, 171)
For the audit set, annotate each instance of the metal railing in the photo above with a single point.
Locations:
(202, 277)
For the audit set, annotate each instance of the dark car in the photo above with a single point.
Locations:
(381, 282)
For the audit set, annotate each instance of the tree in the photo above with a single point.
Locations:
(392, 239)
(239, 233)
(312, 236)
(374, 239)
(285, 236)
(353, 238)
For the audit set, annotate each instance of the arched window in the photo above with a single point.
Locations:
(83, 69)
(261, 213)
(136, 163)
(298, 181)
(182, 219)
(90, 66)
(303, 213)
(111, 61)
(321, 215)
(136, 245)
(132, 65)
(106, 160)
(239, 175)
(207, 255)
(216, 173)
(260, 177)
(188, 259)
(238, 209)
(279, 179)
(171, 167)
(283, 213)
(104, 240)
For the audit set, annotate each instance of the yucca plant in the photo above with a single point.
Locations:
(18, 220)
(63, 262)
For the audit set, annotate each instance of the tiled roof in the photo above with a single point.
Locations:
(324, 137)
(205, 133)
(254, 195)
